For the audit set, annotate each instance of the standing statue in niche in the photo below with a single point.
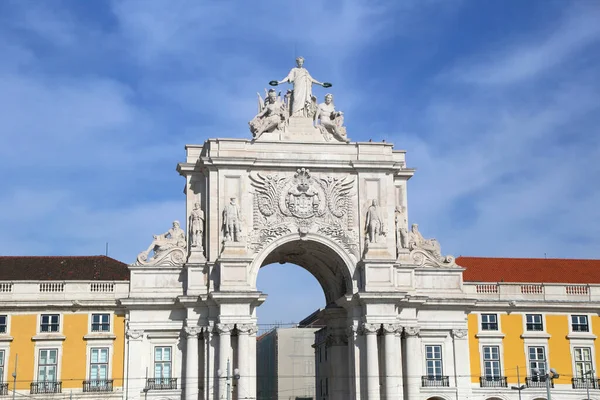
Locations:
(231, 221)
(272, 114)
(401, 228)
(417, 241)
(374, 222)
(197, 226)
(330, 121)
(302, 88)
(174, 237)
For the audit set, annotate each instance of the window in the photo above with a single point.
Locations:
(579, 323)
(100, 322)
(98, 365)
(583, 361)
(433, 361)
(49, 323)
(489, 322)
(537, 360)
(3, 322)
(162, 365)
(534, 322)
(47, 365)
(491, 361)
(1, 365)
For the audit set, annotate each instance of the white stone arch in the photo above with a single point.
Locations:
(438, 397)
(497, 397)
(332, 265)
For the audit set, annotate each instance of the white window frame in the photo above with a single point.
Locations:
(489, 330)
(154, 362)
(7, 316)
(441, 359)
(3, 365)
(546, 358)
(108, 363)
(47, 347)
(110, 322)
(587, 323)
(60, 323)
(94, 344)
(542, 322)
(592, 355)
(535, 335)
(499, 360)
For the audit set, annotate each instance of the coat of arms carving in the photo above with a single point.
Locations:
(304, 203)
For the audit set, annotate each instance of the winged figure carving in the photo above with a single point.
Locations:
(268, 189)
(337, 191)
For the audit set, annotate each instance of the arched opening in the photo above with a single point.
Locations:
(306, 356)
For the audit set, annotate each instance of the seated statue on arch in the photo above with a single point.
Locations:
(272, 115)
(173, 238)
(330, 121)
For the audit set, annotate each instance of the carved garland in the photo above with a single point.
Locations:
(302, 203)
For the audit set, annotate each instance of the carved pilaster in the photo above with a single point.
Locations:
(392, 328)
(247, 329)
(134, 334)
(369, 329)
(224, 329)
(192, 331)
(412, 330)
(459, 333)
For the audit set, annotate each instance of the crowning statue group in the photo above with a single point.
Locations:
(299, 102)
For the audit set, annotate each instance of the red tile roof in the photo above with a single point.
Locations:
(535, 270)
(62, 268)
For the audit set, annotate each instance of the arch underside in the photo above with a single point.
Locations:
(319, 260)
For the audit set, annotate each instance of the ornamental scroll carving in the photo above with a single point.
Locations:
(303, 203)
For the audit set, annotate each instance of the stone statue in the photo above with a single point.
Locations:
(401, 228)
(374, 222)
(417, 241)
(171, 239)
(271, 115)
(302, 88)
(331, 121)
(231, 221)
(196, 226)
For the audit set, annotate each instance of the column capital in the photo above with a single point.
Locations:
(134, 334)
(459, 333)
(412, 330)
(224, 329)
(392, 328)
(247, 329)
(370, 329)
(192, 331)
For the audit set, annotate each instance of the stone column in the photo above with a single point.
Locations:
(135, 366)
(224, 331)
(461, 366)
(209, 364)
(392, 354)
(354, 386)
(370, 331)
(191, 363)
(246, 361)
(413, 362)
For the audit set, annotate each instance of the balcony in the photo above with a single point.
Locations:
(98, 386)
(538, 382)
(45, 387)
(435, 381)
(585, 383)
(161, 384)
(3, 389)
(493, 381)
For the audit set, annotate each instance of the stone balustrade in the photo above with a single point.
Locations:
(532, 291)
(62, 290)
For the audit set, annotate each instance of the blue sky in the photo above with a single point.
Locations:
(496, 102)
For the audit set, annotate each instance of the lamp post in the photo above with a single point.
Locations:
(14, 375)
(587, 383)
(228, 377)
(548, 376)
(519, 387)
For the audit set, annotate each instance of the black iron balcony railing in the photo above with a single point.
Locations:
(3, 389)
(98, 385)
(492, 381)
(582, 383)
(435, 381)
(44, 387)
(538, 382)
(161, 383)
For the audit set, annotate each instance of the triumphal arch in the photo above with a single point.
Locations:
(297, 190)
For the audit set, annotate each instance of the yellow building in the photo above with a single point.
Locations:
(534, 326)
(61, 326)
